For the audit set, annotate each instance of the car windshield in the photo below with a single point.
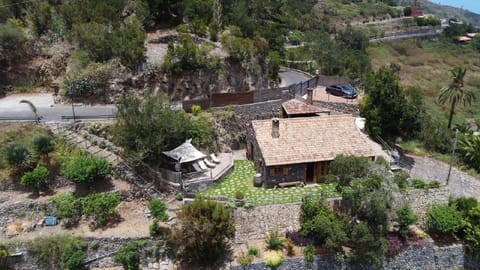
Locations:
(347, 89)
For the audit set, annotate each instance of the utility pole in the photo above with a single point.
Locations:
(453, 154)
(73, 113)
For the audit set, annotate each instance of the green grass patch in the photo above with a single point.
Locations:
(241, 179)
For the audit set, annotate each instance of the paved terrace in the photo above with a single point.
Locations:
(211, 174)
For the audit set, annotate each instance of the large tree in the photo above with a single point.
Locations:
(386, 109)
(455, 92)
(201, 233)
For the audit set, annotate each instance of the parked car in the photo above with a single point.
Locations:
(342, 90)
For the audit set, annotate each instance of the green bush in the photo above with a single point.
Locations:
(16, 153)
(405, 218)
(4, 254)
(309, 254)
(245, 260)
(60, 251)
(203, 217)
(444, 218)
(12, 40)
(95, 244)
(36, 178)
(348, 167)
(434, 184)
(369, 248)
(82, 87)
(179, 196)
(419, 183)
(196, 109)
(128, 256)
(85, 168)
(100, 206)
(253, 251)
(158, 209)
(65, 205)
(273, 258)
(239, 195)
(42, 145)
(400, 178)
(273, 241)
(154, 229)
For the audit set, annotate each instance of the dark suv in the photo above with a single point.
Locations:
(342, 90)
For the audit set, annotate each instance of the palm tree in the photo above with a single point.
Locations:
(455, 92)
(32, 108)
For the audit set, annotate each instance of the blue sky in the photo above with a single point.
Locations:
(472, 5)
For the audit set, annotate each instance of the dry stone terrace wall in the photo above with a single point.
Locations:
(421, 199)
(426, 256)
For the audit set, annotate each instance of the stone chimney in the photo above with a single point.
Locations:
(275, 128)
(310, 96)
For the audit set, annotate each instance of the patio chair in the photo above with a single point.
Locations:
(208, 163)
(197, 168)
(214, 158)
(202, 165)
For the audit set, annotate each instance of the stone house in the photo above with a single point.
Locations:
(292, 151)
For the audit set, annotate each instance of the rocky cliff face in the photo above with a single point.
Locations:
(232, 77)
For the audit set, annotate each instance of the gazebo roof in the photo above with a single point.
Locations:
(185, 153)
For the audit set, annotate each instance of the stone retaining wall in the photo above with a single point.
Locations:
(426, 256)
(421, 199)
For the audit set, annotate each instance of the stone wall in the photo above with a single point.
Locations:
(255, 223)
(421, 199)
(426, 256)
(346, 108)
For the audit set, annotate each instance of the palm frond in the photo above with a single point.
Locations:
(30, 104)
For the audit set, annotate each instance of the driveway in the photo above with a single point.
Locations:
(290, 77)
(429, 169)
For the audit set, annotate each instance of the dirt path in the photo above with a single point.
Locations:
(429, 169)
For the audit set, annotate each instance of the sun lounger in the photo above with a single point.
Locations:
(202, 165)
(196, 167)
(214, 158)
(208, 163)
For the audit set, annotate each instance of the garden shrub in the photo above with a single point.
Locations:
(60, 251)
(42, 145)
(85, 168)
(179, 196)
(16, 153)
(289, 247)
(4, 254)
(65, 205)
(203, 217)
(100, 206)
(196, 109)
(253, 251)
(400, 178)
(348, 167)
(369, 248)
(418, 183)
(245, 260)
(273, 258)
(154, 229)
(405, 218)
(434, 184)
(36, 178)
(128, 256)
(82, 87)
(239, 195)
(158, 209)
(444, 218)
(273, 241)
(320, 223)
(309, 254)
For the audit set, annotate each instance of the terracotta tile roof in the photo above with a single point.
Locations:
(295, 106)
(311, 139)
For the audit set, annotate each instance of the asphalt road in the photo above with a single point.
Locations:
(11, 108)
(290, 77)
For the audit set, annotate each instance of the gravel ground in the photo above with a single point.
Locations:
(429, 169)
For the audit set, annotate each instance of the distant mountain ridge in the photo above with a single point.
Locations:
(442, 11)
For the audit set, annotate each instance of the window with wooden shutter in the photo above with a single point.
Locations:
(272, 172)
(285, 171)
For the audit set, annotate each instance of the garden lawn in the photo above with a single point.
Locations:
(241, 179)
